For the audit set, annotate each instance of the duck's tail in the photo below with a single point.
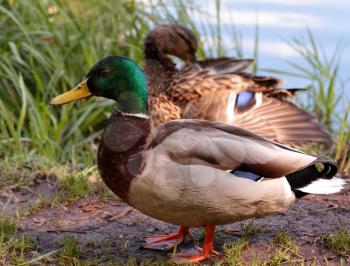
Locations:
(318, 178)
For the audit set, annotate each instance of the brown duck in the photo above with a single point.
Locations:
(221, 90)
(192, 172)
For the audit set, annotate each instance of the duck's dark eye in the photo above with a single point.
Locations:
(104, 72)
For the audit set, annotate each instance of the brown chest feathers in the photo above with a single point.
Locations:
(120, 156)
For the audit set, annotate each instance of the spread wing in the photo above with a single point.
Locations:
(218, 90)
(281, 121)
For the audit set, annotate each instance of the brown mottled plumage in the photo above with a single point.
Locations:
(216, 89)
(163, 109)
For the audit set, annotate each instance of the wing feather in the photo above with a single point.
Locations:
(280, 121)
(283, 122)
(200, 142)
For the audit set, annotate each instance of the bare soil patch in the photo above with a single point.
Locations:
(109, 230)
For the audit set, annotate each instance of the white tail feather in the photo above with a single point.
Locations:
(324, 186)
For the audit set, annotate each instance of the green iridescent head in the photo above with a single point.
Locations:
(114, 77)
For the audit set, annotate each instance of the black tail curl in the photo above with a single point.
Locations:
(321, 168)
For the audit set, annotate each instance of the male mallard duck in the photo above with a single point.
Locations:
(192, 172)
(220, 90)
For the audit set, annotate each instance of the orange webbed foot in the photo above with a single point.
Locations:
(167, 241)
(190, 258)
(194, 257)
(204, 253)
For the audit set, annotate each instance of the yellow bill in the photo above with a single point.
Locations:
(81, 91)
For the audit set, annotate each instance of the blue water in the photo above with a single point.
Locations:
(281, 21)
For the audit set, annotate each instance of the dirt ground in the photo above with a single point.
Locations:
(110, 230)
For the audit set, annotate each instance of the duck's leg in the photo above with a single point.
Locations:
(206, 252)
(169, 241)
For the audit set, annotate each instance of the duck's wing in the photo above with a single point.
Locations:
(241, 101)
(203, 171)
(281, 121)
(200, 142)
(226, 65)
(228, 73)
(271, 86)
(214, 76)
(192, 83)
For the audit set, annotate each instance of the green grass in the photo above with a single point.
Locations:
(21, 170)
(7, 228)
(233, 253)
(47, 48)
(28, 173)
(68, 183)
(74, 187)
(77, 184)
(13, 247)
(49, 45)
(284, 240)
(43, 54)
(37, 205)
(339, 241)
(70, 247)
(286, 250)
(251, 230)
(279, 257)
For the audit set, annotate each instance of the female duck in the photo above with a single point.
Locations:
(221, 90)
(192, 172)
